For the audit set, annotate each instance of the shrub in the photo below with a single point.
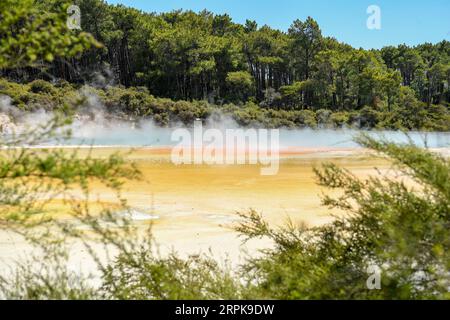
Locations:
(305, 118)
(368, 117)
(42, 86)
(403, 231)
(323, 117)
(407, 113)
(339, 119)
(240, 85)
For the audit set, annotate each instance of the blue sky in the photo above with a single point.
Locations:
(402, 21)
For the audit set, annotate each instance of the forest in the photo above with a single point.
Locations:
(179, 63)
(257, 74)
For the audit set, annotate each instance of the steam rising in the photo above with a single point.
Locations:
(94, 125)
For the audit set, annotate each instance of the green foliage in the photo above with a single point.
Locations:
(45, 278)
(241, 85)
(29, 174)
(403, 230)
(368, 117)
(141, 275)
(340, 119)
(406, 111)
(399, 225)
(306, 42)
(31, 32)
(182, 55)
(41, 86)
(202, 56)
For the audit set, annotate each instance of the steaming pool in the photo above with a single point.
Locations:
(148, 135)
(191, 207)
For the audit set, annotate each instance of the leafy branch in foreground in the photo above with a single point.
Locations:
(143, 275)
(399, 224)
(32, 175)
(32, 179)
(37, 278)
(31, 34)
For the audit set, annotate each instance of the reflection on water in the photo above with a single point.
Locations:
(345, 137)
(126, 135)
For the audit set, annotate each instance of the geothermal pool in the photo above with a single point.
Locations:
(195, 205)
(191, 207)
(149, 135)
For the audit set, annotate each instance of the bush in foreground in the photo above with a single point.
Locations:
(397, 225)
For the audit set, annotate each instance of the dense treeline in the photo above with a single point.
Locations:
(190, 56)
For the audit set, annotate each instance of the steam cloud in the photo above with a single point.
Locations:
(94, 125)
